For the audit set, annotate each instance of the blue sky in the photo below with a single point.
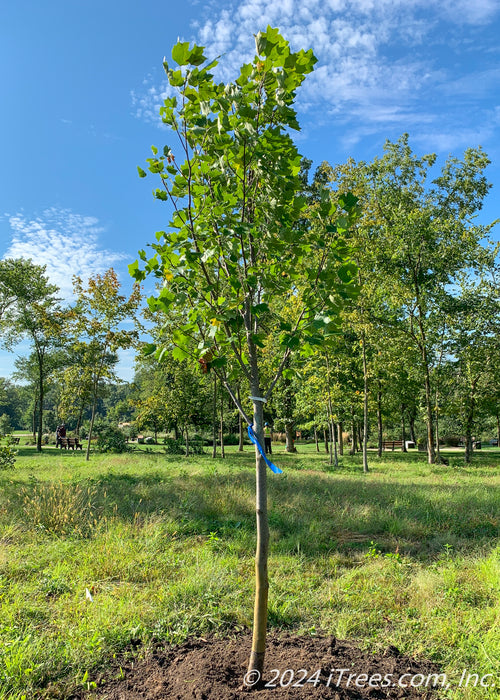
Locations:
(82, 81)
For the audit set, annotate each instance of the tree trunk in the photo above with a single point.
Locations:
(325, 439)
(240, 424)
(187, 442)
(469, 423)
(316, 439)
(380, 434)
(334, 458)
(413, 435)
(257, 655)
(365, 408)
(289, 432)
(40, 405)
(214, 419)
(498, 429)
(222, 452)
(431, 451)
(33, 419)
(436, 432)
(91, 428)
(340, 430)
(403, 428)
(354, 439)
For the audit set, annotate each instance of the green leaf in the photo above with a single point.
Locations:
(141, 172)
(148, 349)
(179, 353)
(195, 56)
(260, 43)
(180, 53)
(260, 309)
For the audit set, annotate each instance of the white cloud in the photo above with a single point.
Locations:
(381, 63)
(67, 243)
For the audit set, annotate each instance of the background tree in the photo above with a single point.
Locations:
(100, 310)
(31, 310)
(422, 234)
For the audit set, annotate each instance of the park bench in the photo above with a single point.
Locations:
(14, 440)
(392, 445)
(71, 443)
(74, 443)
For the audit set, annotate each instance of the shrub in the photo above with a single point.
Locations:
(178, 447)
(111, 439)
(5, 425)
(7, 456)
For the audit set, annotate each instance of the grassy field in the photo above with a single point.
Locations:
(407, 555)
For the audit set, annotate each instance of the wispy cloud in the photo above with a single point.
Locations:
(381, 63)
(67, 243)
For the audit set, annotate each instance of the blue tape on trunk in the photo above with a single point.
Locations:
(253, 438)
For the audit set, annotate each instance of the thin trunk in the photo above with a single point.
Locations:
(403, 428)
(380, 434)
(340, 431)
(334, 457)
(325, 439)
(40, 404)
(316, 442)
(222, 452)
(187, 442)
(354, 438)
(469, 423)
(365, 407)
(214, 419)
(240, 424)
(431, 451)
(256, 662)
(436, 433)
(498, 429)
(413, 435)
(89, 438)
(33, 419)
(333, 449)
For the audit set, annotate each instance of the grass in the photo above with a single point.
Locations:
(407, 555)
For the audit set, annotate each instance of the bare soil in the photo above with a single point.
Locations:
(306, 667)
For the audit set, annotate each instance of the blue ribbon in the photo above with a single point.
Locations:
(253, 438)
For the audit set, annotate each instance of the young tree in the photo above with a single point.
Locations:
(100, 310)
(233, 246)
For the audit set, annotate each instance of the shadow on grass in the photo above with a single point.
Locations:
(310, 512)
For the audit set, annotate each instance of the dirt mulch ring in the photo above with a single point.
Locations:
(306, 667)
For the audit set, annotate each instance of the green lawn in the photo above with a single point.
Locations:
(407, 555)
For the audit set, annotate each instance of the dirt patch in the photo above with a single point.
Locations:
(306, 667)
